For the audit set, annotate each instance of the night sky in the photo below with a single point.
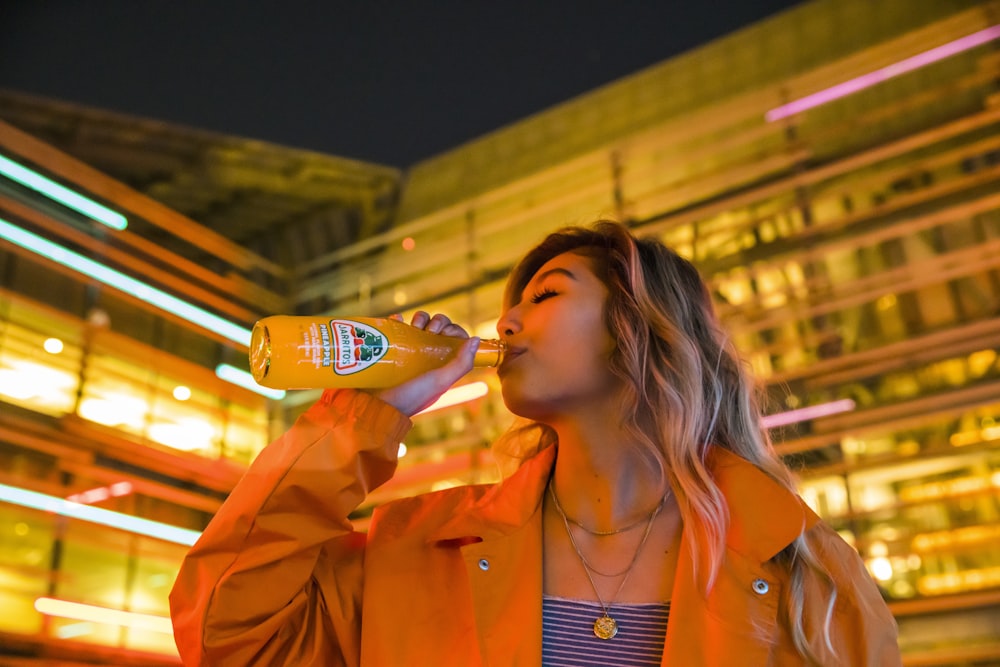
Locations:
(386, 82)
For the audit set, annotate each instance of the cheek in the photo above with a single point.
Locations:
(580, 350)
(591, 334)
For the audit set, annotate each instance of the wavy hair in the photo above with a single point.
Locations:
(686, 388)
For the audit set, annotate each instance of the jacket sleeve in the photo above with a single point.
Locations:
(276, 577)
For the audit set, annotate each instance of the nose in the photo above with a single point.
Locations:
(509, 323)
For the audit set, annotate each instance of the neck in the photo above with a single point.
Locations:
(601, 478)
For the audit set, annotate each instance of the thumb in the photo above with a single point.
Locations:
(467, 353)
(417, 394)
(460, 364)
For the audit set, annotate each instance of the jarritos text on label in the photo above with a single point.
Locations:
(356, 346)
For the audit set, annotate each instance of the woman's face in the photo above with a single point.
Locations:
(558, 344)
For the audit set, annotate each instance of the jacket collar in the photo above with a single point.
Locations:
(506, 506)
(764, 516)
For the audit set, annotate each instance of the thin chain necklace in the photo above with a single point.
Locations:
(605, 533)
(605, 627)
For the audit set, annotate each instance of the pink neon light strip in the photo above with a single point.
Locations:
(101, 494)
(811, 412)
(878, 76)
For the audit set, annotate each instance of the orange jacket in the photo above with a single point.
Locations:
(455, 577)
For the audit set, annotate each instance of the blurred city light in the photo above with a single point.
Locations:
(457, 395)
(92, 613)
(244, 379)
(128, 523)
(127, 284)
(807, 413)
(870, 79)
(62, 195)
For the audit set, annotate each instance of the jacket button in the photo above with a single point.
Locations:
(484, 564)
(760, 586)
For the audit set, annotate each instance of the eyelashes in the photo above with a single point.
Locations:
(542, 295)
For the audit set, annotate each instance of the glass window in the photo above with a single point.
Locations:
(25, 558)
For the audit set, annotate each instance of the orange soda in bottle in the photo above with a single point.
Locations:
(313, 352)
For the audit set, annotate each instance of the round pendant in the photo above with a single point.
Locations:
(605, 627)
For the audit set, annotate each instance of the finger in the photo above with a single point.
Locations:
(420, 319)
(455, 330)
(438, 323)
(396, 316)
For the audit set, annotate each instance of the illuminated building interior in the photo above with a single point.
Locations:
(842, 203)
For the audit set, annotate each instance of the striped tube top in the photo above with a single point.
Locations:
(568, 633)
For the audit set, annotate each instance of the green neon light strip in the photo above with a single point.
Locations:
(147, 293)
(108, 276)
(245, 380)
(62, 195)
(127, 522)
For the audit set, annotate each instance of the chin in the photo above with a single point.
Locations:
(525, 407)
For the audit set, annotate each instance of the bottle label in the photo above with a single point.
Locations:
(356, 346)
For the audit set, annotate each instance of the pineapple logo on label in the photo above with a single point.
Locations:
(356, 346)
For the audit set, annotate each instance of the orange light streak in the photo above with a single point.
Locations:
(88, 612)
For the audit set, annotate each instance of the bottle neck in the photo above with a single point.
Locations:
(490, 353)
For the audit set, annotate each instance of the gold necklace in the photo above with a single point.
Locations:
(605, 627)
(605, 533)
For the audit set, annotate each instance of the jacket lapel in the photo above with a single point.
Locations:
(734, 624)
(500, 539)
(506, 507)
(764, 516)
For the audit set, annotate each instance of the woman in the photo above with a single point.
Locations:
(643, 488)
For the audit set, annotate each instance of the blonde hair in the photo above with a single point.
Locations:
(686, 389)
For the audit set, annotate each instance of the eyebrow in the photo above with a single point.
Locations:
(542, 276)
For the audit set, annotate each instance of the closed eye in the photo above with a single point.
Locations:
(543, 295)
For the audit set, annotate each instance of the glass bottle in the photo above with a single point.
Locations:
(313, 352)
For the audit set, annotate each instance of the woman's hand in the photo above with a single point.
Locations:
(413, 396)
